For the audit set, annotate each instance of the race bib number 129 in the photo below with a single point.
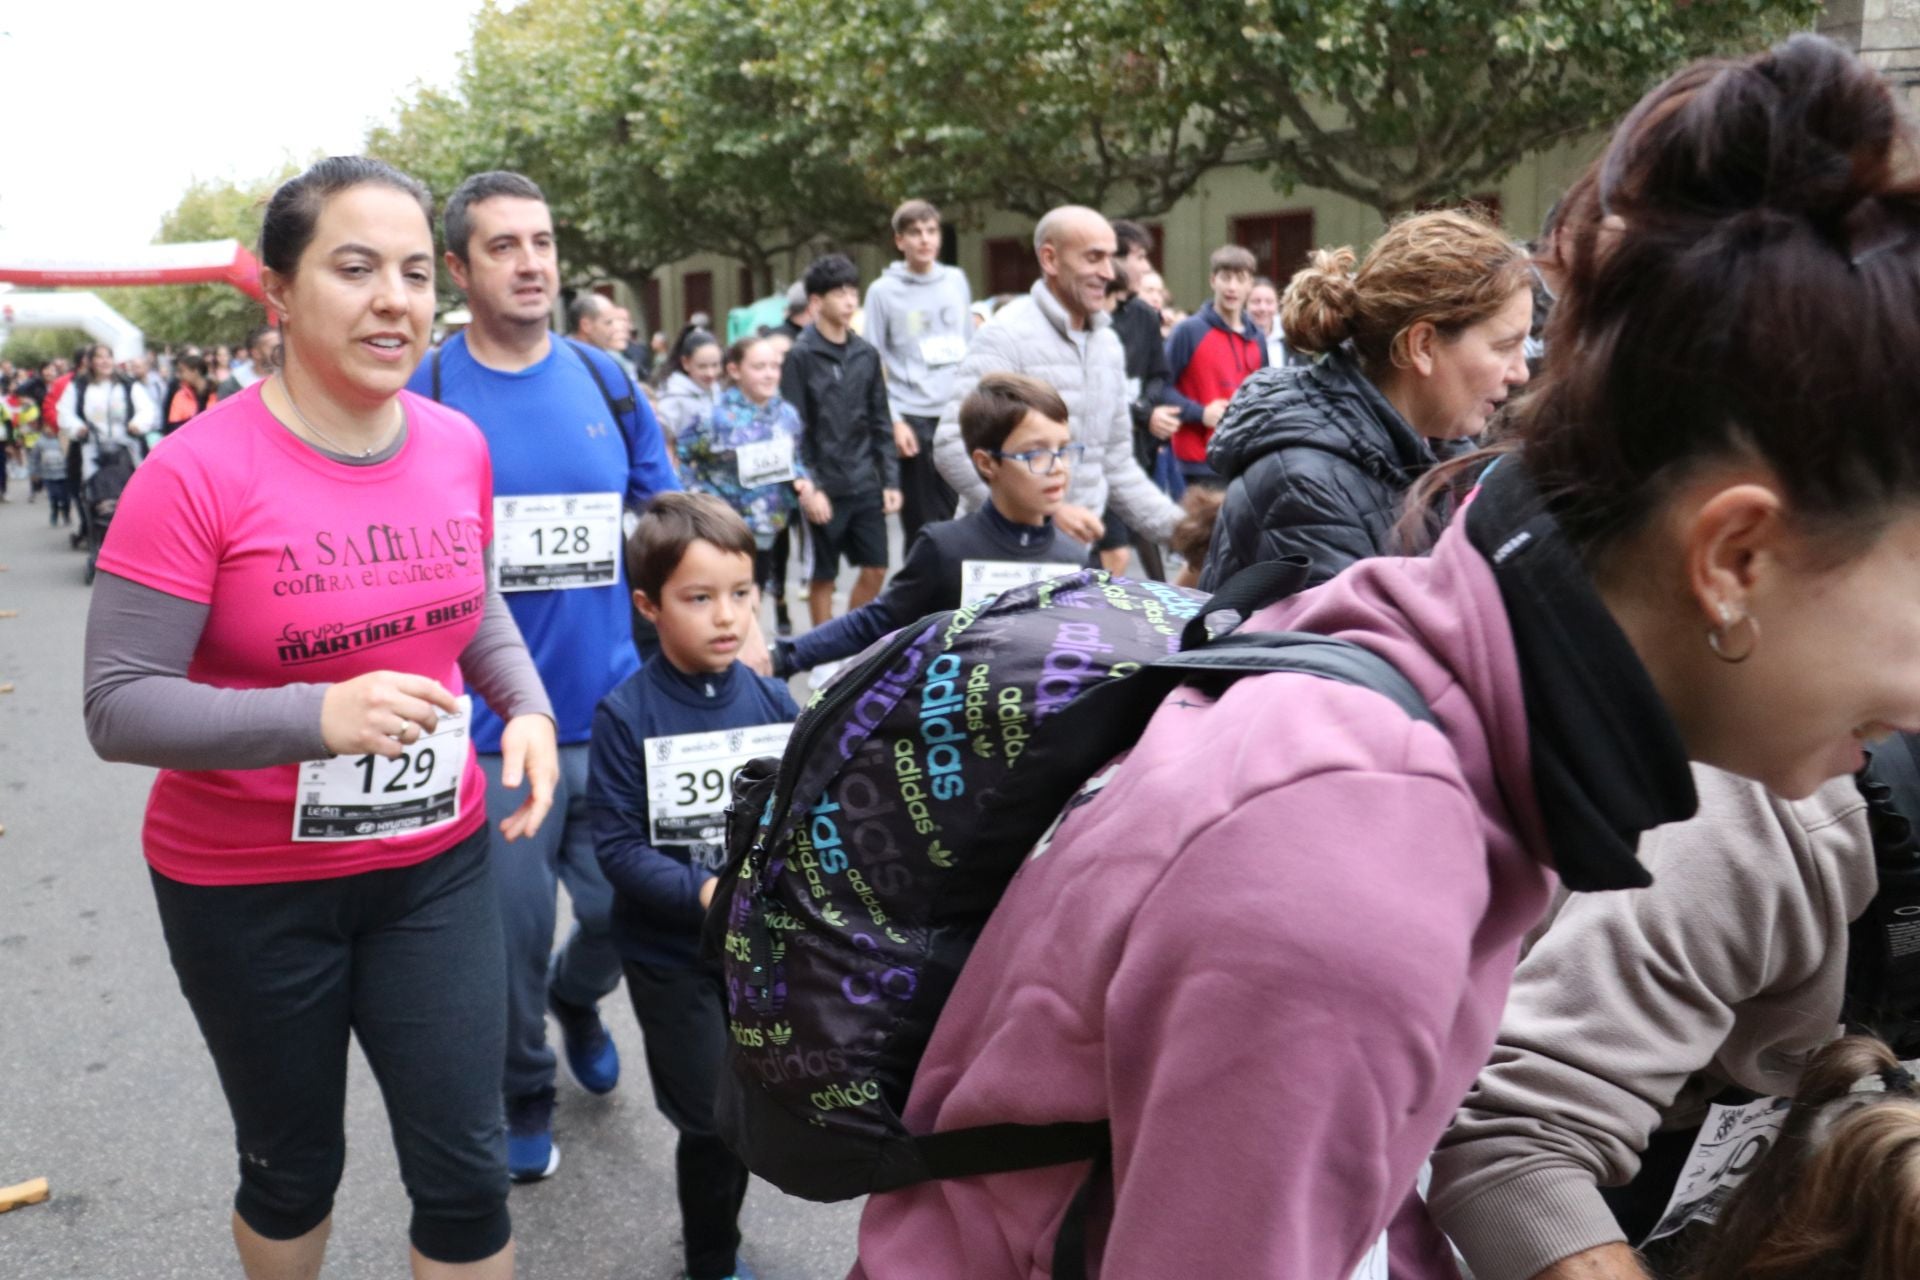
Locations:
(368, 797)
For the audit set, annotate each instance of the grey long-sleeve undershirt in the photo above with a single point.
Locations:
(142, 709)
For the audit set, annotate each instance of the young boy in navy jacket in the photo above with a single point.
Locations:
(1015, 430)
(665, 745)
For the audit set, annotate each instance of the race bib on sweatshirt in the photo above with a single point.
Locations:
(984, 579)
(1732, 1141)
(765, 462)
(556, 541)
(943, 349)
(367, 797)
(690, 779)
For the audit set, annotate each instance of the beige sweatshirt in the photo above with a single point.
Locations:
(1634, 1008)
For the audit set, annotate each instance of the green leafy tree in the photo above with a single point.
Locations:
(656, 130)
(31, 348)
(660, 128)
(202, 313)
(538, 93)
(734, 165)
(1017, 104)
(1399, 103)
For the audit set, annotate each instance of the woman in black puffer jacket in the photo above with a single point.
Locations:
(1422, 345)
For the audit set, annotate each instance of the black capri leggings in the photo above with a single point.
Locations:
(409, 960)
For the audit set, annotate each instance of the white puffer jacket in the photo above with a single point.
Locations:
(1032, 336)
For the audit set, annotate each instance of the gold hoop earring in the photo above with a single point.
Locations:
(1719, 639)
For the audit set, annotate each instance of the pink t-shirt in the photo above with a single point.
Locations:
(314, 571)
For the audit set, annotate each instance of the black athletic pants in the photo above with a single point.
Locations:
(408, 960)
(925, 498)
(683, 1017)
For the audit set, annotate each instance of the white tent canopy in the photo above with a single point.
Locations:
(82, 311)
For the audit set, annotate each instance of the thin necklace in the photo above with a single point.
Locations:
(287, 391)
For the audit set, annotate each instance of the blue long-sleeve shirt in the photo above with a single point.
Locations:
(928, 582)
(656, 888)
(551, 431)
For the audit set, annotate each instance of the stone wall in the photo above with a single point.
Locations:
(1887, 34)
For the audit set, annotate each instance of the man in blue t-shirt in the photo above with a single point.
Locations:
(575, 448)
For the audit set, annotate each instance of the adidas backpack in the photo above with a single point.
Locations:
(864, 863)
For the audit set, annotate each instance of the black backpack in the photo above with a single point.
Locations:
(864, 863)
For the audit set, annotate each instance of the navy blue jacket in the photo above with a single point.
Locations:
(929, 582)
(656, 890)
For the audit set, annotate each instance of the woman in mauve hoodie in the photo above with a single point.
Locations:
(1271, 944)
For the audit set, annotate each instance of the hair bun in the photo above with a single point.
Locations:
(1805, 129)
(1322, 301)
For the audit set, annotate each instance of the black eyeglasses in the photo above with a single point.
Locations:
(1043, 461)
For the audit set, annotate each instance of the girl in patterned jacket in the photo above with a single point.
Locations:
(746, 452)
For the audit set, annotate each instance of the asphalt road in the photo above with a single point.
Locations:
(107, 1091)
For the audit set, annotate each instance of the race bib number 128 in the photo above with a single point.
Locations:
(556, 541)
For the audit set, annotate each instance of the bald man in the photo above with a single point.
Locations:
(592, 320)
(1061, 333)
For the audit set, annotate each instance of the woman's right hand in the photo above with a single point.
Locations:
(817, 507)
(382, 713)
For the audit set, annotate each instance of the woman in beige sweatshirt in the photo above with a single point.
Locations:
(1634, 1009)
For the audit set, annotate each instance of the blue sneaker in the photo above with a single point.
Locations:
(531, 1153)
(741, 1271)
(591, 1054)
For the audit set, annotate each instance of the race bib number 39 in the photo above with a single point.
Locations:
(556, 541)
(982, 579)
(368, 797)
(690, 779)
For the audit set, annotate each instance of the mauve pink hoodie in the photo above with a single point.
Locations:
(1273, 952)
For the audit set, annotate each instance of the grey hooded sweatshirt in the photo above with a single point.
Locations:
(922, 326)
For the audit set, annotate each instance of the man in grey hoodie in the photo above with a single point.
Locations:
(919, 316)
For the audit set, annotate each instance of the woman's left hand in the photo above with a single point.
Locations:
(529, 750)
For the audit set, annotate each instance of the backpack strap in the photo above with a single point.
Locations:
(1883, 944)
(1003, 1148)
(621, 407)
(1070, 1245)
(436, 375)
(1261, 652)
(1246, 592)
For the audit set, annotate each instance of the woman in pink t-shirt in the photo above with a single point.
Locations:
(293, 598)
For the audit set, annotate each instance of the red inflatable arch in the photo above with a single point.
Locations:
(203, 262)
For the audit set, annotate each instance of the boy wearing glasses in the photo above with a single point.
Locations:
(1015, 431)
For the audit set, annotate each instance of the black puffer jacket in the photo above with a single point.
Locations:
(1317, 462)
